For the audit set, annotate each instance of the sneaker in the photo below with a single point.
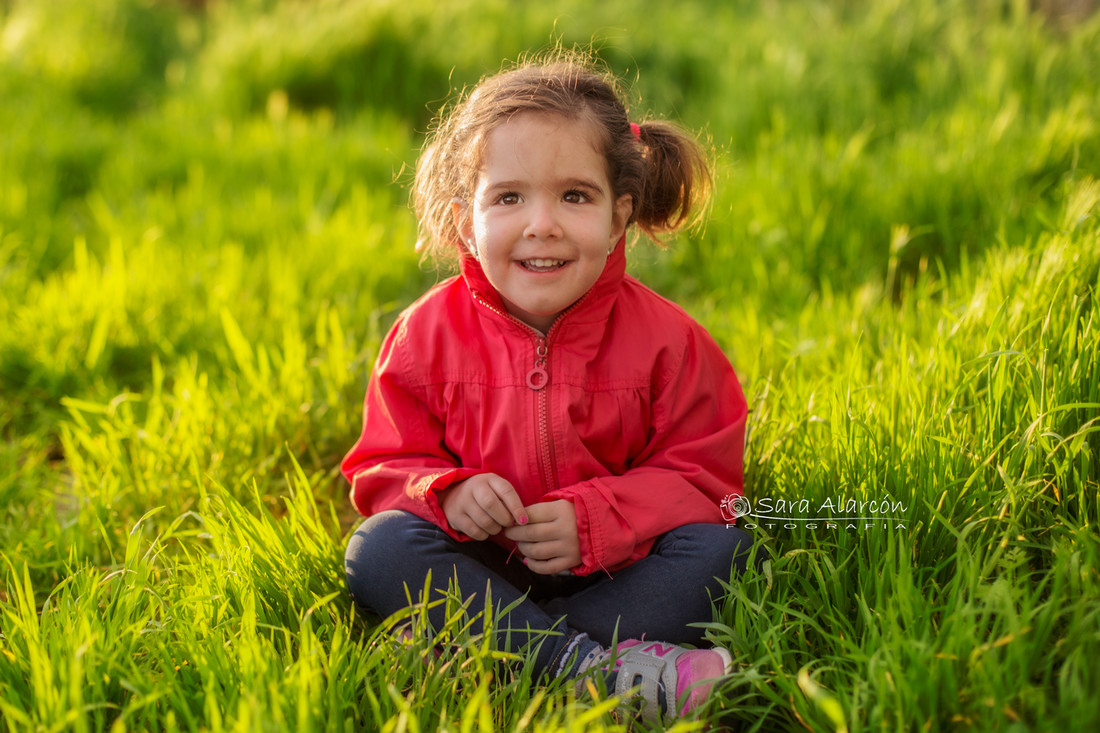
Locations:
(670, 680)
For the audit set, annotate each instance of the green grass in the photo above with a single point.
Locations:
(204, 235)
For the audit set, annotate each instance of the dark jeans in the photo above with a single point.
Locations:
(391, 553)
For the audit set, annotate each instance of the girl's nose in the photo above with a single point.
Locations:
(543, 223)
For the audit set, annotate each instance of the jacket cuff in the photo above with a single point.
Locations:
(589, 563)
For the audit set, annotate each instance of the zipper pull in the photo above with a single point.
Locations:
(537, 377)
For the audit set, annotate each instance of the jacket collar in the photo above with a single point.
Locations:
(593, 308)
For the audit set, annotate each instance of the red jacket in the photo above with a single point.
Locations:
(640, 421)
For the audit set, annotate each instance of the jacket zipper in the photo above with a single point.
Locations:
(537, 379)
(542, 397)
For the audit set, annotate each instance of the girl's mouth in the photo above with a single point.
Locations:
(541, 265)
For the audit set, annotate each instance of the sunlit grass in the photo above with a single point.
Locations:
(204, 236)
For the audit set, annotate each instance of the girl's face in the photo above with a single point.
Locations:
(544, 217)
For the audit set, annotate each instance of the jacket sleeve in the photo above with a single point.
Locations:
(693, 460)
(400, 460)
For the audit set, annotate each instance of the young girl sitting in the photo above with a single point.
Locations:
(543, 427)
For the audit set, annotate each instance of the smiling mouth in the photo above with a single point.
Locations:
(542, 265)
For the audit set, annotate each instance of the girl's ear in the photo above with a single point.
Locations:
(620, 215)
(460, 210)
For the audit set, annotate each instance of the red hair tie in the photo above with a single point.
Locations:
(636, 131)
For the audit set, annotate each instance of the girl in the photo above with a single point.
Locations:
(543, 427)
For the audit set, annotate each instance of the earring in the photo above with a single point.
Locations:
(472, 246)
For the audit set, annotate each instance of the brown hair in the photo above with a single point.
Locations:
(665, 171)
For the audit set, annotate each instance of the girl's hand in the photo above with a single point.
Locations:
(549, 542)
(482, 505)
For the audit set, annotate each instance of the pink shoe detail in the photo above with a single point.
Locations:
(660, 651)
(696, 672)
(672, 680)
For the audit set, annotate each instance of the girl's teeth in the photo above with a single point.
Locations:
(544, 263)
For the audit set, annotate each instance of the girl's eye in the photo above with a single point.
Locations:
(508, 198)
(574, 197)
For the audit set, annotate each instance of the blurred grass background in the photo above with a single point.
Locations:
(204, 233)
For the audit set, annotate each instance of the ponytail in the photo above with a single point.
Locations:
(676, 181)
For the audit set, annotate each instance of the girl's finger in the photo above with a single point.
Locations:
(484, 521)
(531, 533)
(539, 550)
(471, 530)
(545, 567)
(501, 513)
(510, 499)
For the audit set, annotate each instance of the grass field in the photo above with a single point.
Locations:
(204, 234)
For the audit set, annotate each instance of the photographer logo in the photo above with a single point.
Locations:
(832, 513)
